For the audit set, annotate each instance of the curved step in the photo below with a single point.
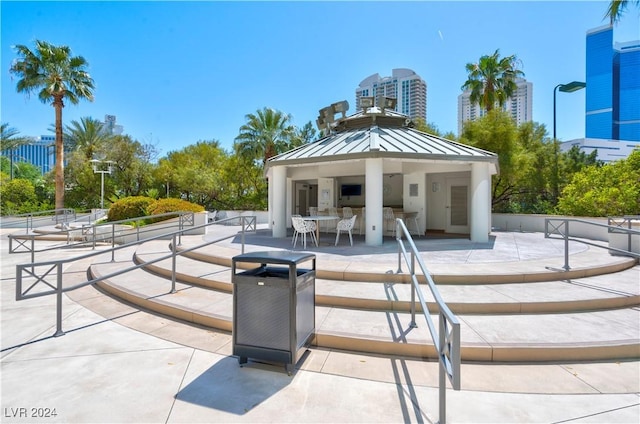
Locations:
(601, 292)
(462, 273)
(501, 338)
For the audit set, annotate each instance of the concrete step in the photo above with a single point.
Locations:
(370, 317)
(599, 292)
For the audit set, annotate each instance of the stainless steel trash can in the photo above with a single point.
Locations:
(273, 306)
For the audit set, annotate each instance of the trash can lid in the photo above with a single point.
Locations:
(274, 257)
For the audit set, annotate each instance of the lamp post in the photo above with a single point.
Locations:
(96, 170)
(565, 88)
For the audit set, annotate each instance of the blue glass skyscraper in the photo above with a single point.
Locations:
(613, 87)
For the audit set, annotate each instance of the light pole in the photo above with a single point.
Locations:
(95, 163)
(565, 88)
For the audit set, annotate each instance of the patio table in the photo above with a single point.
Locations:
(317, 219)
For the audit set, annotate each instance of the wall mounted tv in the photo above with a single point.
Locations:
(351, 189)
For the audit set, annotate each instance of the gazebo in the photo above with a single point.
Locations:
(375, 159)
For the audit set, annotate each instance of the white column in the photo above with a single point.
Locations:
(278, 189)
(480, 202)
(373, 202)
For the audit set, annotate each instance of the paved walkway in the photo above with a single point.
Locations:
(102, 370)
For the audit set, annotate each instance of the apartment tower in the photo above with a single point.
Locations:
(519, 106)
(404, 85)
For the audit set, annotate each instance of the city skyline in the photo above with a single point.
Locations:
(177, 73)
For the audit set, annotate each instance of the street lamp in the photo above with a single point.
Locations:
(96, 170)
(565, 88)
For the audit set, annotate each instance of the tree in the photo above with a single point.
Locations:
(497, 133)
(617, 8)
(305, 135)
(267, 133)
(89, 136)
(9, 139)
(57, 76)
(492, 80)
(17, 196)
(429, 128)
(608, 190)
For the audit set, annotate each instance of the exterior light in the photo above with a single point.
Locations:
(389, 103)
(565, 88)
(572, 86)
(95, 163)
(366, 102)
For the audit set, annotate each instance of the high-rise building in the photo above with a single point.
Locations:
(613, 87)
(39, 152)
(404, 85)
(520, 105)
(612, 110)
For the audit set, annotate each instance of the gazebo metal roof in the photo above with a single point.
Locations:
(381, 134)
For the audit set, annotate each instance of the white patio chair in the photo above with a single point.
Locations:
(313, 211)
(347, 212)
(346, 225)
(295, 230)
(302, 227)
(389, 216)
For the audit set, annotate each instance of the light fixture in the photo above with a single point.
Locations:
(565, 88)
(366, 102)
(572, 86)
(340, 107)
(388, 103)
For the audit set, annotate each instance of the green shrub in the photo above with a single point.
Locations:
(161, 206)
(137, 206)
(129, 207)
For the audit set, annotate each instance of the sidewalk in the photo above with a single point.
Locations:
(102, 370)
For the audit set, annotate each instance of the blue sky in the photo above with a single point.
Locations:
(175, 73)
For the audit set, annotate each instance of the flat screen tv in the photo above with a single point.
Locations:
(351, 189)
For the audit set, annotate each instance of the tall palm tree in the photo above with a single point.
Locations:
(267, 133)
(88, 136)
(617, 8)
(9, 141)
(492, 80)
(55, 75)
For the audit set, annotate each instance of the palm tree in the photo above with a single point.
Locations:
(9, 139)
(267, 133)
(88, 136)
(9, 142)
(492, 80)
(617, 8)
(55, 75)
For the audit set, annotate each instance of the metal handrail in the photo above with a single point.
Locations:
(447, 339)
(28, 270)
(562, 229)
(91, 234)
(56, 215)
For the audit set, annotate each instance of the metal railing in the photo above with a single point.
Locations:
(554, 227)
(57, 215)
(103, 232)
(45, 278)
(447, 338)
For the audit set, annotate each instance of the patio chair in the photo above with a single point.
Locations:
(313, 211)
(347, 212)
(302, 227)
(388, 215)
(346, 225)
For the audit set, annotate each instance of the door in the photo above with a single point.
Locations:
(457, 205)
(302, 199)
